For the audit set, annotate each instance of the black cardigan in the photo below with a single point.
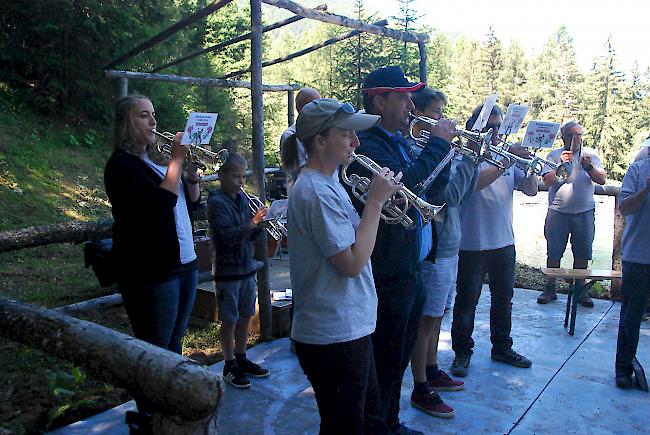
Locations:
(145, 242)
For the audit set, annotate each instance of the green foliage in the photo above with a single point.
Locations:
(69, 391)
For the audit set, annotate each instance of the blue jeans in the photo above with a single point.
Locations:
(636, 291)
(499, 264)
(159, 313)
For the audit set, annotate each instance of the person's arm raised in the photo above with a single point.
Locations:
(351, 261)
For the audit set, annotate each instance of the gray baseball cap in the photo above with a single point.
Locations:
(324, 113)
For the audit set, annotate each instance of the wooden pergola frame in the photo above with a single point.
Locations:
(257, 87)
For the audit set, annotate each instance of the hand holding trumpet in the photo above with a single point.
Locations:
(383, 186)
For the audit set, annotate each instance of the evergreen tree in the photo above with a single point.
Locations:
(607, 116)
(491, 61)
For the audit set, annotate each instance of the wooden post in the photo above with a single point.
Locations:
(422, 46)
(122, 87)
(257, 109)
(617, 261)
(291, 108)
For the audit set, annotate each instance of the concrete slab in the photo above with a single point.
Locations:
(569, 388)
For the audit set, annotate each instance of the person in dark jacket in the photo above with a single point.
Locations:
(153, 244)
(398, 251)
(233, 227)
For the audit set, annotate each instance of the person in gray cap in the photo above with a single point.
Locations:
(399, 251)
(335, 303)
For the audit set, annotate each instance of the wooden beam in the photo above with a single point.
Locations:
(235, 40)
(257, 110)
(422, 48)
(302, 52)
(180, 25)
(340, 20)
(291, 108)
(219, 83)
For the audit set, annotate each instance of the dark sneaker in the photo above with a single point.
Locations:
(547, 296)
(444, 383)
(460, 366)
(251, 369)
(236, 378)
(624, 381)
(402, 429)
(513, 358)
(431, 403)
(586, 301)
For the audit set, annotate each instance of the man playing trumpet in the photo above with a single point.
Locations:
(571, 206)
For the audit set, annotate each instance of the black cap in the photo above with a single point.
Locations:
(388, 79)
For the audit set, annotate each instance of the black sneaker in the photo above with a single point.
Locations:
(251, 369)
(460, 366)
(402, 429)
(513, 358)
(236, 377)
(624, 381)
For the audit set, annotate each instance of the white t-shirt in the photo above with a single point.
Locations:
(636, 237)
(181, 216)
(486, 217)
(328, 307)
(576, 194)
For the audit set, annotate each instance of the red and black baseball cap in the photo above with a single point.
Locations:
(388, 79)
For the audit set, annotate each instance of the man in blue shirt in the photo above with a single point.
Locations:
(635, 206)
(398, 250)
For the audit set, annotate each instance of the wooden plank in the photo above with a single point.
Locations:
(234, 40)
(340, 20)
(304, 51)
(220, 83)
(582, 273)
(180, 25)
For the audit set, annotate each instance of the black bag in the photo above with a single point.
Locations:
(99, 255)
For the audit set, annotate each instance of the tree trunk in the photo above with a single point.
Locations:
(185, 393)
(75, 231)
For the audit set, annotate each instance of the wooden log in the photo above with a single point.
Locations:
(291, 108)
(340, 20)
(257, 110)
(303, 51)
(422, 48)
(122, 88)
(196, 80)
(185, 393)
(74, 231)
(234, 40)
(180, 25)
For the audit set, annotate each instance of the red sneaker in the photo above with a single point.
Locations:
(432, 404)
(444, 383)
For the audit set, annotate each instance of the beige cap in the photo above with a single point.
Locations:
(324, 113)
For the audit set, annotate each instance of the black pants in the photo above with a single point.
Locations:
(636, 291)
(472, 266)
(399, 309)
(345, 384)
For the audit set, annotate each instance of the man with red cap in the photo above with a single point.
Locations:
(398, 251)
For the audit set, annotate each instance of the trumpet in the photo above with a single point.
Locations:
(531, 166)
(275, 228)
(202, 158)
(391, 212)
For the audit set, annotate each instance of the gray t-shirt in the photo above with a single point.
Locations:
(328, 307)
(636, 238)
(576, 194)
(486, 217)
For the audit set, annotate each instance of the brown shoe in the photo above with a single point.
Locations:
(547, 296)
(431, 403)
(586, 301)
(443, 382)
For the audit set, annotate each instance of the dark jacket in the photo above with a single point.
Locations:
(145, 242)
(232, 242)
(397, 249)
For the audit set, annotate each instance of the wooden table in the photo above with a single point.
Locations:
(576, 276)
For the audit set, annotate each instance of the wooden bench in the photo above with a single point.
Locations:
(575, 276)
